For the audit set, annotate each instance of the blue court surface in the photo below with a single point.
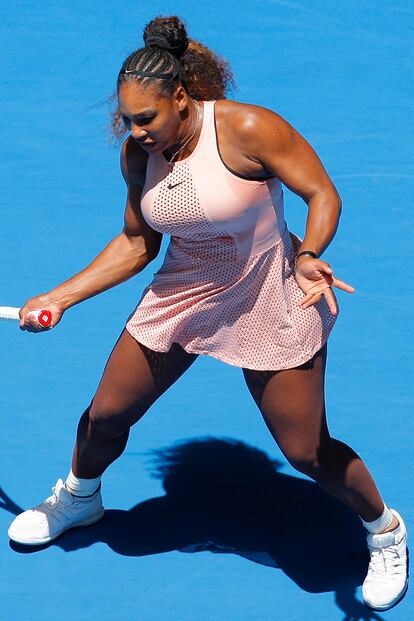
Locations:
(206, 520)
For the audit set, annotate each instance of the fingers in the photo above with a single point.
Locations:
(326, 284)
(313, 298)
(340, 284)
(314, 294)
(322, 270)
(23, 323)
(30, 326)
(34, 326)
(331, 301)
(323, 287)
(28, 321)
(310, 300)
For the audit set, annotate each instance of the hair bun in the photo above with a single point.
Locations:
(167, 33)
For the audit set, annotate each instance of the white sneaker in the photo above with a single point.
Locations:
(387, 579)
(55, 515)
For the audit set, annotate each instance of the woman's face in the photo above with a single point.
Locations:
(152, 119)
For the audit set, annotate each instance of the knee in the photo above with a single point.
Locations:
(314, 462)
(105, 418)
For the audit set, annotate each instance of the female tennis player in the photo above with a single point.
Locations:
(235, 284)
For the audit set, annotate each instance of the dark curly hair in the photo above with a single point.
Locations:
(170, 58)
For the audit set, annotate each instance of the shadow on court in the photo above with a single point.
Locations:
(224, 496)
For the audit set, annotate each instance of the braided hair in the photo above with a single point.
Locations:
(170, 58)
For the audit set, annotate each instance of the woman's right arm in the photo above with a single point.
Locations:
(126, 255)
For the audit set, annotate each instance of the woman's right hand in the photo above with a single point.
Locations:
(40, 302)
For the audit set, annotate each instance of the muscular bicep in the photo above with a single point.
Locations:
(135, 227)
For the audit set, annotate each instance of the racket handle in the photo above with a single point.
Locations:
(44, 317)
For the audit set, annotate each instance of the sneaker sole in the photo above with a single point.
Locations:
(40, 542)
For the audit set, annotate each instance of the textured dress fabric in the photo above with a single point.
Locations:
(226, 287)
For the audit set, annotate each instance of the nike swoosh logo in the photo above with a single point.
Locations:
(170, 186)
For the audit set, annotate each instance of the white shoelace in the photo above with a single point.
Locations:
(386, 561)
(53, 505)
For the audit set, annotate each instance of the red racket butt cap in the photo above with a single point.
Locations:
(45, 318)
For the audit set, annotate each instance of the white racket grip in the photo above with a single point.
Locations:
(12, 312)
(9, 312)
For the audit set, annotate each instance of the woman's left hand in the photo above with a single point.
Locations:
(315, 278)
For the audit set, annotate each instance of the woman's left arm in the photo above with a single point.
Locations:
(284, 153)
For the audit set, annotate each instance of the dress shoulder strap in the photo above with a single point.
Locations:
(209, 130)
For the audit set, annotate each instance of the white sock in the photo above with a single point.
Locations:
(381, 523)
(81, 487)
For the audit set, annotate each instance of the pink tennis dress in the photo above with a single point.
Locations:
(226, 287)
